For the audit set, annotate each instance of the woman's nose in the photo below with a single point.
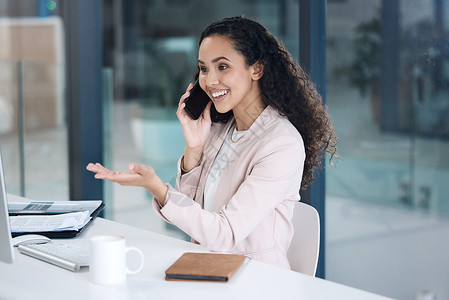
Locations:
(211, 79)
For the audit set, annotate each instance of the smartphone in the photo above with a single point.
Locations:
(196, 102)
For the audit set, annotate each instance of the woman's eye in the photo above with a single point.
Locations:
(222, 67)
(203, 69)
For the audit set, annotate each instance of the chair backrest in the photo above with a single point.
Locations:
(305, 247)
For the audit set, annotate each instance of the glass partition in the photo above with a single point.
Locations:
(33, 132)
(388, 93)
(108, 144)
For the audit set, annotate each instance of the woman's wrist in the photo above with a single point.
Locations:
(161, 195)
(191, 159)
(159, 190)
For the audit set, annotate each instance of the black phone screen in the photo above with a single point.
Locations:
(196, 102)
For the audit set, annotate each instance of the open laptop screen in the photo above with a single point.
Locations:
(6, 248)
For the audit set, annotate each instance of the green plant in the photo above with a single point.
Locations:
(163, 75)
(364, 70)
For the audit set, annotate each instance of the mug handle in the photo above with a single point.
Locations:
(128, 271)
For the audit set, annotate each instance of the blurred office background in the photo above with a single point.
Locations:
(387, 89)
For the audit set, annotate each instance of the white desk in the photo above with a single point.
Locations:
(29, 278)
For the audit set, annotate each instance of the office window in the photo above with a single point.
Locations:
(388, 92)
(33, 131)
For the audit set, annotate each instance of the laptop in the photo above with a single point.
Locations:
(6, 248)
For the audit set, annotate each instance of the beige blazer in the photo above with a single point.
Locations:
(254, 202)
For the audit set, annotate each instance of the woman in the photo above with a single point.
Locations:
(246, 158)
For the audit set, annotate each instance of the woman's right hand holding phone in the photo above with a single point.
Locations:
(195, 132)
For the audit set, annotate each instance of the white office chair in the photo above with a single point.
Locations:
(305, 246)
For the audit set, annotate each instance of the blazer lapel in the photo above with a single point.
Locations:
(210, 153)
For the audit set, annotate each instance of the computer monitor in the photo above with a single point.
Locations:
(6, 248)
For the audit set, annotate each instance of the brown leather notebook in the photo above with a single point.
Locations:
(204, 267)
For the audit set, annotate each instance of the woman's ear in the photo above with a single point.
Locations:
(257, 71)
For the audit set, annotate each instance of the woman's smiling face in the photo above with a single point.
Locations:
(224, 75)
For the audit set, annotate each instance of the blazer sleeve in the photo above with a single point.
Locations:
(186, 187)
(188, 183)
(276, 169)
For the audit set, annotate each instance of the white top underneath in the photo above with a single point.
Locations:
(219, 165)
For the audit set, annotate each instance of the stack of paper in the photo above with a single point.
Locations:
(52, 207)
(54, 219)
(49, 223)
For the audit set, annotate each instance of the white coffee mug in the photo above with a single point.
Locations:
(107, 259)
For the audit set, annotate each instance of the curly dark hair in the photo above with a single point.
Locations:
(284, 85)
